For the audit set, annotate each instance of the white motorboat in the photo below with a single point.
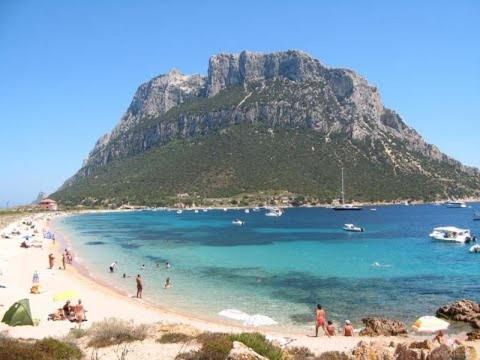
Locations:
(455, 204)
(451, 234)
(225, 209)
(352, 228)
(238, 222)
(274, 212)
(247, 211)
(475, 249)
(196, 211)
(179, 211)
(343, 206)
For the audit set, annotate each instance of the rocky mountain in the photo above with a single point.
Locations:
(279, 99)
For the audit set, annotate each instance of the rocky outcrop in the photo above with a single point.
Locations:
(373, 350)
(242, 352)
(462, 310)
(311, 96)
(382, 327)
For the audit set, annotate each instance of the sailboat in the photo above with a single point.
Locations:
(344, 206)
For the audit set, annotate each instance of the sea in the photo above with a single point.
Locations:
(281, 267)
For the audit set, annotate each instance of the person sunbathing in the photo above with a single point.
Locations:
(69, 311)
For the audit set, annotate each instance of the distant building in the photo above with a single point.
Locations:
(48, 204)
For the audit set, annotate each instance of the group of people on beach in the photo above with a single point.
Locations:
(327, 325)
(73, 313)
(138, 280)
(67, 258)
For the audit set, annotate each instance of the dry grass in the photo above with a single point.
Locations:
(114, 331)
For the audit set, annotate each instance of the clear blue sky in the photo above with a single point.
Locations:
(68, 69)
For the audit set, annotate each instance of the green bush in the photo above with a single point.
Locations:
(114, 331)
(171, 338)
(46, 349)
(215, 346)
(258, 343)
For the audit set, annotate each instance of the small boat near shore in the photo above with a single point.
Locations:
(238, 222)
(475, 249)
(179, 211)
(452, 234)
(274, 212)
(352, 228)
(455, 204)
(343, 206)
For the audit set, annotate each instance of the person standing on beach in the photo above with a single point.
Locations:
(113, 266)
(51, 260)
(139, 286)
(320, 316)
(79, 313)
(63, 261)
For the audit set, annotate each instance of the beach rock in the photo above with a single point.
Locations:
(465, 352)
(462, 310)
(473, 335)
(242, 352)
(382, 326)
(333, 355)
(370, 351)
(404, 352)
(443, 352)
(426, 345)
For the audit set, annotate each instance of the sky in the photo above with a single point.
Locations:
(69, 69)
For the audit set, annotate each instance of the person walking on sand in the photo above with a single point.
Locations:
(348, 329)
(139, 286)
(51, 260)
(320, 316)
(63, 261)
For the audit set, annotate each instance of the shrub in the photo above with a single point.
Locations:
(215, 346)
(76, 334)
(258, 343)
(171, 338)
(300, 353)
(115, 331)
(46, 349)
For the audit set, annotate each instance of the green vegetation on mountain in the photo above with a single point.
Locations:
(249, 159)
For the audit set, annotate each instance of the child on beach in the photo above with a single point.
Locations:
(51, 260)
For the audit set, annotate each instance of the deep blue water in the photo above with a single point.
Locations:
(282, 267)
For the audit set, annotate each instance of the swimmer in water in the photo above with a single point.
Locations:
(143, 267)
(168, 284)
(167, 265)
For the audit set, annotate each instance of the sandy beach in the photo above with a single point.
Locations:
(18, 265)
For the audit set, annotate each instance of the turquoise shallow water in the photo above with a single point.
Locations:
(281, 267)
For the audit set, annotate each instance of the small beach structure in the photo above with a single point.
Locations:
(48, 204)
(18, 314)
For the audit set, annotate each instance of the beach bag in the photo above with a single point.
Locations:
(18, 314)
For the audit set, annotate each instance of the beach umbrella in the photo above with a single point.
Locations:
(65, 295)
(430, 324)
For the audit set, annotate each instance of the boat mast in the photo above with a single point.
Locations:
(343, 191)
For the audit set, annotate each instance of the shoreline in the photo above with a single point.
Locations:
(103, 300)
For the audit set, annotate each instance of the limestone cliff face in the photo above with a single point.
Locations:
(283, 89)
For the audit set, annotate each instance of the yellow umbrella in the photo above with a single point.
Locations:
(430, 324)
(65, 295)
